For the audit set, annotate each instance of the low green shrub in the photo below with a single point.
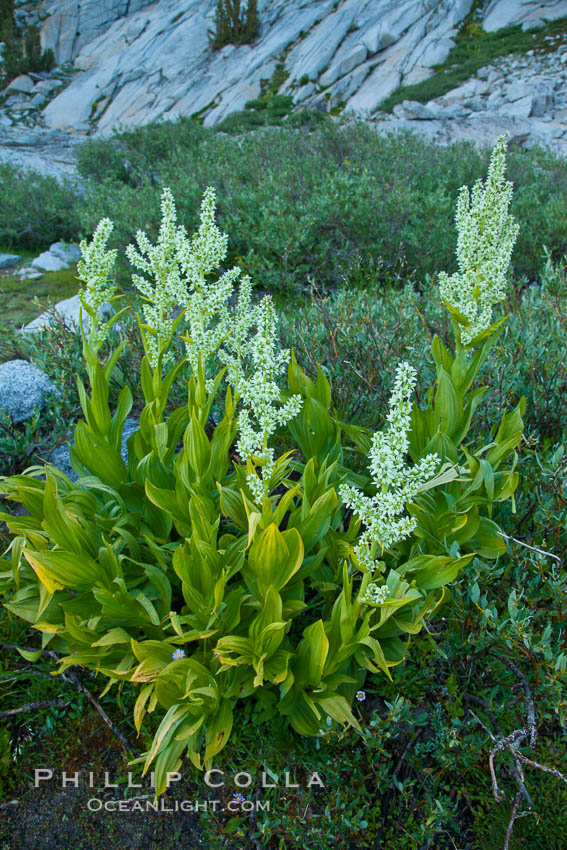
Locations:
(358, 335)
(208, 571)
(337, 204)
(36, 210)
(313, 200)
(133, 157)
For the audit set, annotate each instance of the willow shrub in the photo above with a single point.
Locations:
(205, 571)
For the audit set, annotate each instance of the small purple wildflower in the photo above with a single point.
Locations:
(179, 653)
(238, 798)
(360, 695)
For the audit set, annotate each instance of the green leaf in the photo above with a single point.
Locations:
(311, 656)
(338, 708)
(140, 706)
(439, 570)
(487, 541)
(273, 559)
(56, 570)
(197, 446)
(99, 457)
(509, 435)
(218, 730)
(30, 655)
(172, 720)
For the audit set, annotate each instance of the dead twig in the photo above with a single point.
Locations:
(530, 705)
(533, 548)
(514, 812)
(32, 706)
(511, 744)
(74, 680)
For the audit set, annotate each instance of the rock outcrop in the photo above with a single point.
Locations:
(529, 13)
(125, 63)
(139, 62)
(50, 152)
(526, 96)
(68, 312)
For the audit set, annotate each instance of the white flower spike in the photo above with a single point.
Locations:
(161, 284)
(260, 394)
(95, 269)
(486, 236)
(396, 482)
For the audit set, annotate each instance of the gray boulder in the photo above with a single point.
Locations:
(29, 273)
(59, 457)
(414, 109)
(21, 85)
(60, 256)
(38, 100)
(46, 86)
(23, 389)
(9, 260)
(518, 108)
(67, 311)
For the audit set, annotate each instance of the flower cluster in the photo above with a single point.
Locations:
(210, 321)
(396, 483)
(260, 395)
(235, 352)
(161, 283)
(376, 594)
(175, 278)
(486, 236)
(95, 269)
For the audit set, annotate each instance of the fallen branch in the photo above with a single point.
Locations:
(32, 706)
(511, 744)
(74, 680)
(533, 548)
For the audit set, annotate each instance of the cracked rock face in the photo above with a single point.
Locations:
(525, 95)
(70, 25)
(506, 13)
(137, 61)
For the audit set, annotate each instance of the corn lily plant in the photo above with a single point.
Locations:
(203, 581)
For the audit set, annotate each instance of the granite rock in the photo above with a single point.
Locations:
(7, 261)
(59, 256)
(23, 389)
(67, 311)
